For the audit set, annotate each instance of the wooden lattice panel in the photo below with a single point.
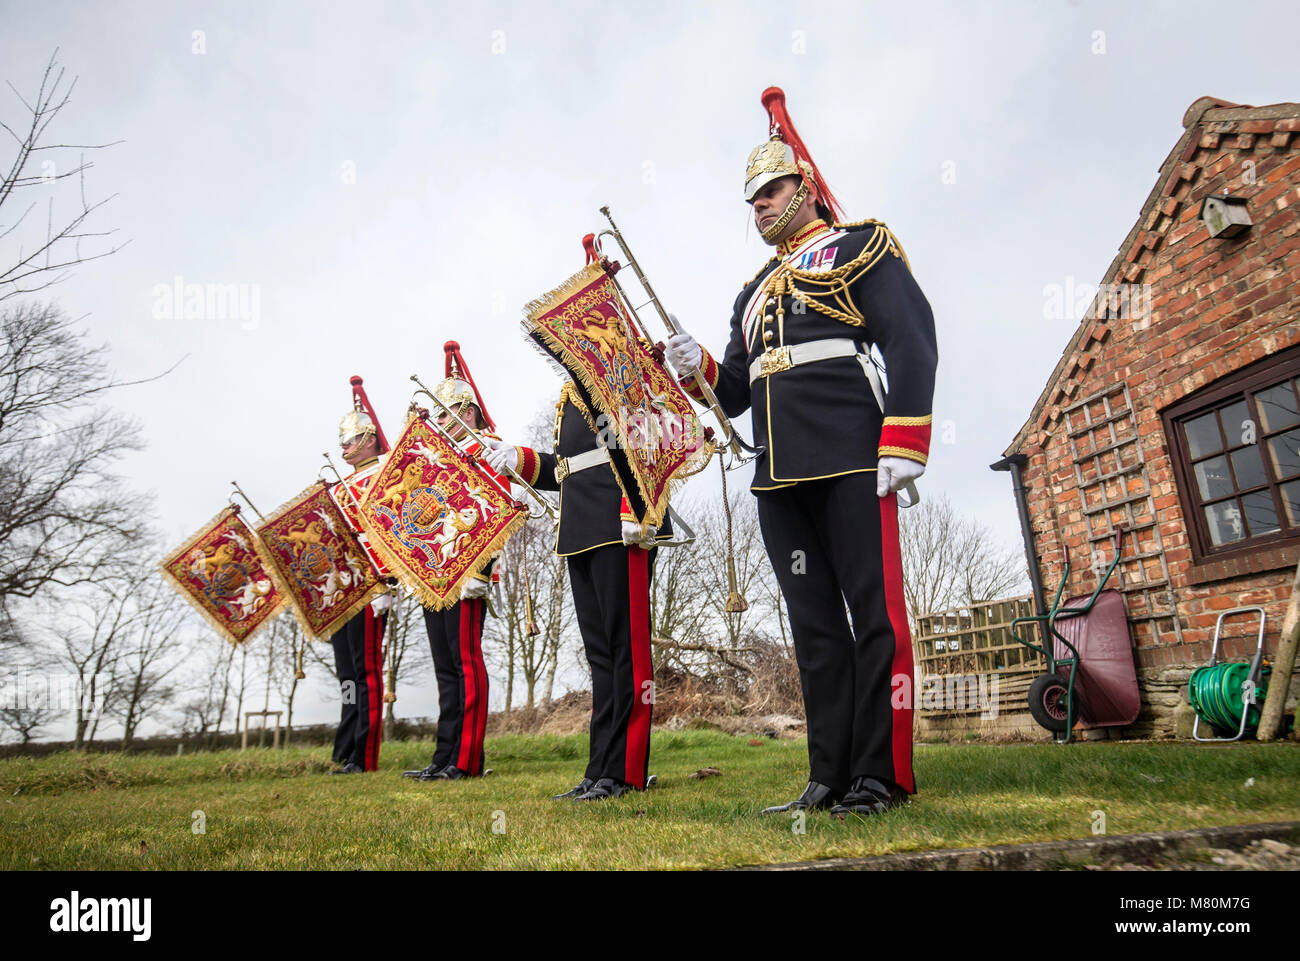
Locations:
(966, 643)
(1115, 492)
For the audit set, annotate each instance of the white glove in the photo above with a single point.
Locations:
(474, 588)
(632, 536)
(895, 473)
(500, 455)
(684, 353)
(381, 603)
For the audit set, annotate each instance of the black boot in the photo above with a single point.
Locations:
(450, 773)
(605, 787)
(350, 768)
(868, 796)
(582, 787)
(424, 774)
(814, 797)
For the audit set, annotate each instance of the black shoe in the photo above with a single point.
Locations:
(450, 773)
(814, 797)
(605, 787)
(582, 787)
(350, 768)
(424, 774)
(869, 796)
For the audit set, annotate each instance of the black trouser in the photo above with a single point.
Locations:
(611, 597)
(456, 643)
(834, 543)
(358, 659)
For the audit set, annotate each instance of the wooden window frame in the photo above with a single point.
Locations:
(1271, 370)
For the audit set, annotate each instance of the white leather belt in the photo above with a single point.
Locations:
(777, 359)
(564, 466)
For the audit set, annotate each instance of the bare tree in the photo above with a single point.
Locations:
(532, 657)
(951, 560)
(88, 631)
(28, 718)
(64, 516)
(210, 662)
(29, 694)
(149, 654)
(44, 254)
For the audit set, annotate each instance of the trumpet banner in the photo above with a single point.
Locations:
(434, 516)
(316, 562)
(220, 573)
(645, 419)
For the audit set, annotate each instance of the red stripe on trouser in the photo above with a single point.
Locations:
(473, 718)
(638, 725)
(892, 571)
(374, 647)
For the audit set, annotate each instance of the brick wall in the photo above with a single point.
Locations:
(1216, 305)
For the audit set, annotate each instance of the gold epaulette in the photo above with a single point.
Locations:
(857, 223)
(880, 224)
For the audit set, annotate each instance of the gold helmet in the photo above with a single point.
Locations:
(783, 154)
(360, 422)
(457, 389)
(769, 160)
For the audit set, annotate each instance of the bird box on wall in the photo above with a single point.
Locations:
(1225, 216)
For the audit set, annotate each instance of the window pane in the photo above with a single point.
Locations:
(1212, 477)
(1291, 502)
(1203, 435)
(1277, 407)
(1248, 466)
(1236, 423)
(1224, 522)
(1261, 518)
(1286, 454)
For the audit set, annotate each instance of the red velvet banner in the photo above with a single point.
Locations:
(317, 563)
(435, 516)
(644, 418)
(220, 573)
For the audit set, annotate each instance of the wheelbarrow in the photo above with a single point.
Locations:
(1091, 677)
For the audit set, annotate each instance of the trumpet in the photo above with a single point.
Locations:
(741, 451)
(544, 507)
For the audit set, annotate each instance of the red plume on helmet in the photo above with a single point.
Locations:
(456, 367)
(779, 122)
(359, 398)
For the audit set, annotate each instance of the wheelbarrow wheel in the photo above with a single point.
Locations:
(1048, 699)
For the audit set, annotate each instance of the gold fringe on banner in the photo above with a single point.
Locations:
(281, 585)
(534, 310)
(215, 622)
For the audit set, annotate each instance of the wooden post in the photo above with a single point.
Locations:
(1283, 663)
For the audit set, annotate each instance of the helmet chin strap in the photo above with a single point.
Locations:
(771, 234)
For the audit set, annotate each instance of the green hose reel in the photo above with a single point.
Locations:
(1216, 693)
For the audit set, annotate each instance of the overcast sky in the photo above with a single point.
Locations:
(384, 177)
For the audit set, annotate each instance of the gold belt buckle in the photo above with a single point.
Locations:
(561, 469)
(774, 360)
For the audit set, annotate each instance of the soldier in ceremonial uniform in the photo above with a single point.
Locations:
(358, 645)
(456, 633)
(839, 445)
(610, 561)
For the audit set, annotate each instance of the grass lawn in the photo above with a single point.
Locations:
(277, 809)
